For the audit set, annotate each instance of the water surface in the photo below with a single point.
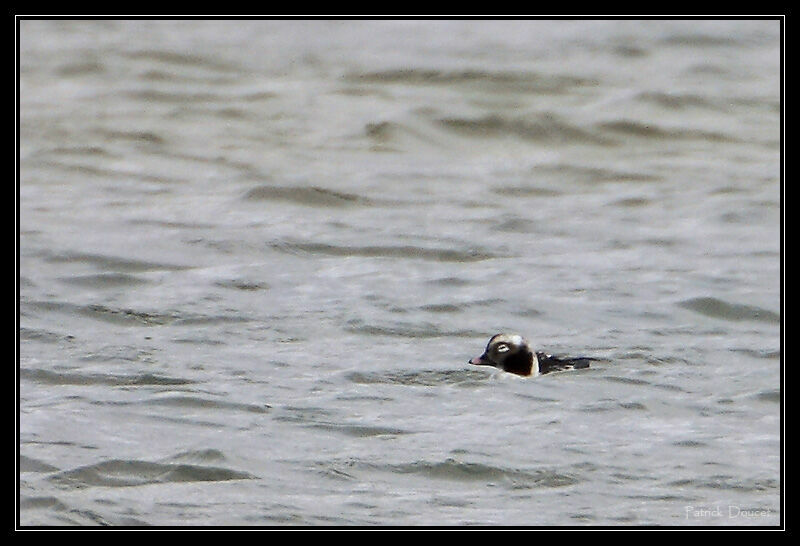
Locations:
(255, 257)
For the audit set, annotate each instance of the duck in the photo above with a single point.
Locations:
(512, 353)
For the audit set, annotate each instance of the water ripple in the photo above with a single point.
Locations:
(409, 252)
(628, 128)
(311, 196)
(717, 308)
(112, 263)
(468, 472)
(105, 280)
(131, 472)
(420, 377)
(409, 330)
(50, 377)
(195, 402)
(529, 82)
(546, 128)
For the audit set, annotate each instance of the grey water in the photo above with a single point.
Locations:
(255, 257)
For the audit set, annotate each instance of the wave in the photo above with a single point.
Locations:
(594, 174)
(704, 40)
(637, 129)
(101, 312)
(769, 395)
(463, 377)
(385, 133)
(716, 308)
(530, 82)
(729, 483)
(326, 420)
(51, 377)
(462, 471)
(306, 195)
(113, 263)
(180, 59)
(406, 251)
(359, 431)
(29, 464)
(196, 402)
(132, 472)
(416, 330)
(544, 128)
(105, 280)
(452, 469)
(127, 316)
(43, 336)
(678, 101)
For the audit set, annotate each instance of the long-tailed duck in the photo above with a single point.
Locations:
(511, 353)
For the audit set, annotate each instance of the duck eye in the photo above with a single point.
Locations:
(502, 348)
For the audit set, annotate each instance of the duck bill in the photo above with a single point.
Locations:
(482, 360)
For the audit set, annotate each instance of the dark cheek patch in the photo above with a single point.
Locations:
(519, 363)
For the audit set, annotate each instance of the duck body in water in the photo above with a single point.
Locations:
(511, 353)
